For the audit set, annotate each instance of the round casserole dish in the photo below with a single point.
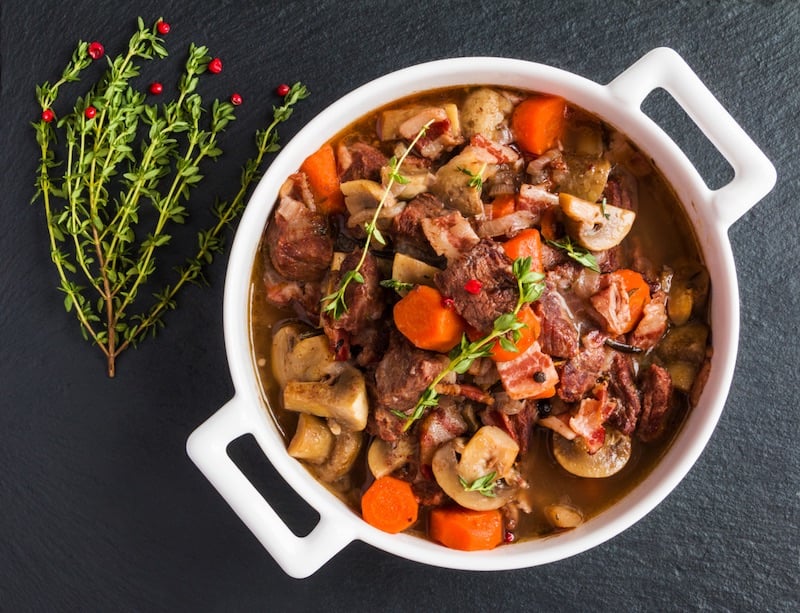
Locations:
(618, 103)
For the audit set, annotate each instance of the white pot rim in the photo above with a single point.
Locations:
(618, 103)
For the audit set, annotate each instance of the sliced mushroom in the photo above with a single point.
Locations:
(485, 111)
(596, 227)
(342, 397)
(342, 457)
(687, 342)
(582, 176)
(362, 196)
(297, 357)
(445, 471)
(383, 457)
(312, 440)
(608, 460)
(688, 291)
(453, 179)
(563, 515)
(490, 450)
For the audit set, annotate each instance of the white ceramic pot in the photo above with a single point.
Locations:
(618, 103)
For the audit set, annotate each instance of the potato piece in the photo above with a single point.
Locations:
(343, 398)
(312, 440)
(410, 270)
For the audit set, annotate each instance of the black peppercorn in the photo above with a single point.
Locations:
(544, 407)
(539, 376)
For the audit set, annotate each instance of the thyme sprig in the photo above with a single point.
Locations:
(530, 285)
(334, 303)
(124, 155)
(475, 178)
(483, 485)
(576, 252)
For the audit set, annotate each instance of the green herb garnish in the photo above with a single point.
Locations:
(475, 178)
(334, 303)
(396, 285)
(530, 285)
(483, 485)
(120, 156)
(576, 252)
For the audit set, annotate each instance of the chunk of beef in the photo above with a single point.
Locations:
(620, 191)
(559, 333)
(488, 265)
(404, 373)
(303, 296)
(592, 413)
(360, 160)
(622, 387)
(407, 225)
(612, 303)
(427, 492)
(365, 302)
(519, 425)
(656, 401)
(441, 424)
(299, 241)
(581, 372)
(653, 324)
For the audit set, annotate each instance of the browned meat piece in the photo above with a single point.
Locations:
(481, 284)
(384, 424)
(299, 241)
(656, 401)
(592, 413)
(581, 372)
(366, 303)
(620, 193)
(360, 160)
(559, 334)
(428, 492)
(653, 324)
(519, 425)
(442, 424)
(404, 373)
(304, 296)
(449, 235)
(613, 304)
(622, 387)
(407, 225)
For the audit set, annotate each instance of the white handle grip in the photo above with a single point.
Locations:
(754, 175)
(298, 556)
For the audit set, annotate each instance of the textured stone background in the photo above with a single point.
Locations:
(101, 508)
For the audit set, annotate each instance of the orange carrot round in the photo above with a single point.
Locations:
(537, 123)
(464, 529)
(390, 505)
(526, 244)
(323, 179)
(425, 320)
(638, 293)
(502, 205)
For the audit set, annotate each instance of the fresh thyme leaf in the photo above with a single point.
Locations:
(484, 485)
(603, 209)
(577, 253)
(124, 156)
(475, 178)
(396, 285)
(334, 303)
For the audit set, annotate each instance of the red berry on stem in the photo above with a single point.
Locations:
(96, 50)
(156, 88)
(215, 66)
(163, 27)
(90, 112)
(236, 99)
(48, 116)
(282, 89)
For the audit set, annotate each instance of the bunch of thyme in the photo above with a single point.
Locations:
(122, 154)
(530, 285)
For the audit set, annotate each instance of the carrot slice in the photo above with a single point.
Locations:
(424, 319)
(389, 504)
(638, 293)
(537, 123)
(527, 243)
(464, 529)
(323, 179)
(502, 205)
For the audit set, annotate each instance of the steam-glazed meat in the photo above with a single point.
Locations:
(622, 387)
(407, 225)
(360, 160)
(299, 241)
(481, 284)
(656, 397)
(581, 372)
(559, 335)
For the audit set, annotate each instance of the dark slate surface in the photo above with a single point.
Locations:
(101, 508)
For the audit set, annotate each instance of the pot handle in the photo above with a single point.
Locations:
(754, 174)
(299, 557)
